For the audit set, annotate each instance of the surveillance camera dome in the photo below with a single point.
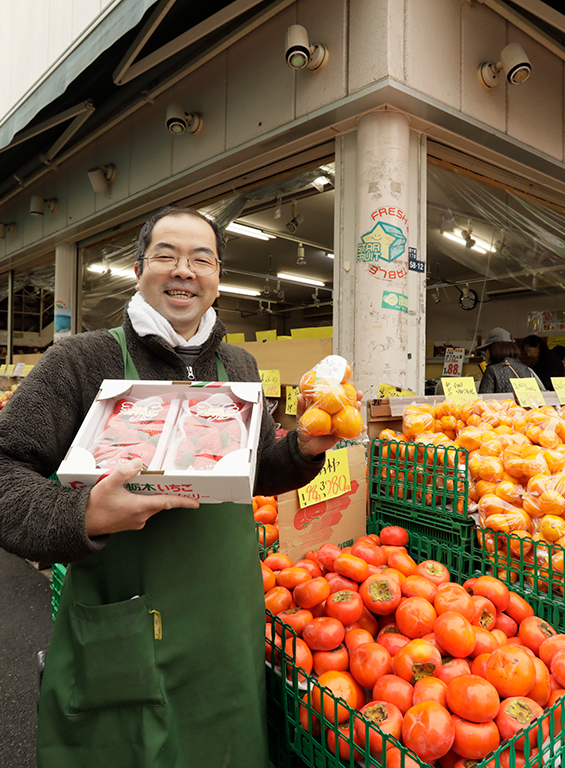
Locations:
(176, 119)
(515, 63)
(36, 205)
(297, 51)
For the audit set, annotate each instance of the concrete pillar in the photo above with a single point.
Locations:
(65, 291)
(381, 269)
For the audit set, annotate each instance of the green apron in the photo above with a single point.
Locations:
(115, 696)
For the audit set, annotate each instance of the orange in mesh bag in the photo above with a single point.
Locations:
(416, 421)
(552, 528)
(330, 400)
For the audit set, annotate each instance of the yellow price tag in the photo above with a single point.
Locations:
(3, 369)
(386, 390)
(27, 369)
(528, 392)
(10, 370)
(559, 387)
(333, 480)
(291, 400)
(460, 389)
(271, 383)
(18, 369)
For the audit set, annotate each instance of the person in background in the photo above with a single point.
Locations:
(502, 355)
(547, 361)
(560, 351)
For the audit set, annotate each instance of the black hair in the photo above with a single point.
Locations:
(535, 341)
(560, 350)
(499, 350)
(174, 210)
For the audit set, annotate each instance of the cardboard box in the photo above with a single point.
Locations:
(230, 479)
(339, 521)
(291, 357)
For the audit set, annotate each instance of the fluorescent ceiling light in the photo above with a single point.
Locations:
(330, 255)
(235, 289)
(100, 269)
(241, 229)
(299, 279)
(480, 245)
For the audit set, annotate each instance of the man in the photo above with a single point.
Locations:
(547, 363)
(156, 658)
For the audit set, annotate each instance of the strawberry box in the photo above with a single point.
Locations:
(195, 439)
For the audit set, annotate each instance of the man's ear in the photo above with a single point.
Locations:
(137, 275)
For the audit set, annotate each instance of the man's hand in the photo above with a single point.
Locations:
(111, 508)
(313, 446)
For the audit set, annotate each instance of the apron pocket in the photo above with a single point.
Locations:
(114, 648)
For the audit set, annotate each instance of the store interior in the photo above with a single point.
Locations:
(495, 257)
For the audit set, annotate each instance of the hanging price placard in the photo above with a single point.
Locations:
(27, 369)
(527, 392)
(291, 400)
(460, 389)
(3, 369)
(18, 369)
(453, 362)
(271, 383)
(559, 387)
(332, 480)
(10, 370)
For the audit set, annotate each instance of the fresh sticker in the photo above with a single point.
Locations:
(384, 242)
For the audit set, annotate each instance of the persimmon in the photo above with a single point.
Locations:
(395, 690)
(557, 667)
(327, 555)
(506, 623)
(311, 592)
(395, 758)
(297, 618)
(479, 665)
(455, 633)
(485, 642)
(387, 717)
(269, 578)
(452, 668)
(474, 741)
(417, 586)
(352, 567)
(496, 591)
(308, 719)
(323, 633)
(433, 571)
(335, 685)
(473, 698)
(346, 738)
(415, 617)
(265, 514)
(485, 612)
(345, 605)
(533, 631)
(381, 594)
(511, 670)
(292, 577)
(428, 730)
(430, 689)
(541, 689)
(455, 598)
(338, 583)
(278, 599)
(416, 659)
(336, 659)
(369, 552)
(392, 641)
(357, 637)
(369, 662)
(267, 534)
(402, 562)
(301, 655)
(550, 646)
(515, 714)
(276, 561)
(394, 535)
(313, 568)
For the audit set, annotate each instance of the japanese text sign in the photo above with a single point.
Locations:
(460, 389)
(332, 480)
(271, 381)
(527, 392)
(453, 363)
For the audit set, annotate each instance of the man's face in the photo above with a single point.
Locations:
(180, 296)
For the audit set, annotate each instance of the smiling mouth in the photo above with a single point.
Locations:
(178, 294)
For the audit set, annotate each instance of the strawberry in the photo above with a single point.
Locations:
(143, 451)
(210, 442)
(185, 453)
(204, 461)
(231, 432)
(229, 449)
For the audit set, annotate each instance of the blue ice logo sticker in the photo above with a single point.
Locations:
(384, 241)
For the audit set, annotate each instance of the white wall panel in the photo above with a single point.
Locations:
(151, 145)
(260, 92)
(83, 12)
(484, 36)
(325, 22)
(81, 201)
(433, 50)
(376, 42)
(203, 91)
(535, 108)
(60, 27)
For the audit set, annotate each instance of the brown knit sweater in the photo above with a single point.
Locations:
(41, 520)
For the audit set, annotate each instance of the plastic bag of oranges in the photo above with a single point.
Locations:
(331, 400)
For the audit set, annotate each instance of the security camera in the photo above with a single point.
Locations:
(300, 54)
(101, 177)
(178, 121)
(513, 61)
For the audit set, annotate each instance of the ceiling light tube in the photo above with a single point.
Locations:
(241, 229)
(480, 245)
(330, 255)
(299, 279)
(234, 289)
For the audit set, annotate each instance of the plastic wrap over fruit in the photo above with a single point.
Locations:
(331, 400)
(132, 430)
(208, 429)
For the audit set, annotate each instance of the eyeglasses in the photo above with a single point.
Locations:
(201, 265)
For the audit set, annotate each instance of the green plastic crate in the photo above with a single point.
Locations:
(57, 577)
(458, 531)
(422, 477)
(264, 551)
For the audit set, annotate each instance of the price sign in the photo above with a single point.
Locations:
(386, 390)
(559, 387)
(10, 370)
(27, 369)
(271, 383)
(291, 400)
(18, 369)
(460, 389)
(3, 369)
(453, 362)
(527, 392)
(333, 480)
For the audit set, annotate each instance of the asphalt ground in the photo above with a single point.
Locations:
(25, 629)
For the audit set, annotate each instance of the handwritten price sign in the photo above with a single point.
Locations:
(559, 387)
(271, 383)
(291, 400)
(453, 363)
(333, 480)
(460, 390)
(528, 392)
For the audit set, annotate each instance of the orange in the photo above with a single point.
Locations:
(307, 384)
(347, 423)
(329, 399)
(351, 395)
(347, 374)
(315, 421)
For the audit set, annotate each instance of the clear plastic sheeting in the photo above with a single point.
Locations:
(108, 282)
(40, 278)
(493, 231)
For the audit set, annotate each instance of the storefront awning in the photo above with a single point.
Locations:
(110, 25)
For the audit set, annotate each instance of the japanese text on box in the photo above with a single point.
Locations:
(332, 480)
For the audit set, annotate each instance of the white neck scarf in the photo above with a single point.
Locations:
(147, 321)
